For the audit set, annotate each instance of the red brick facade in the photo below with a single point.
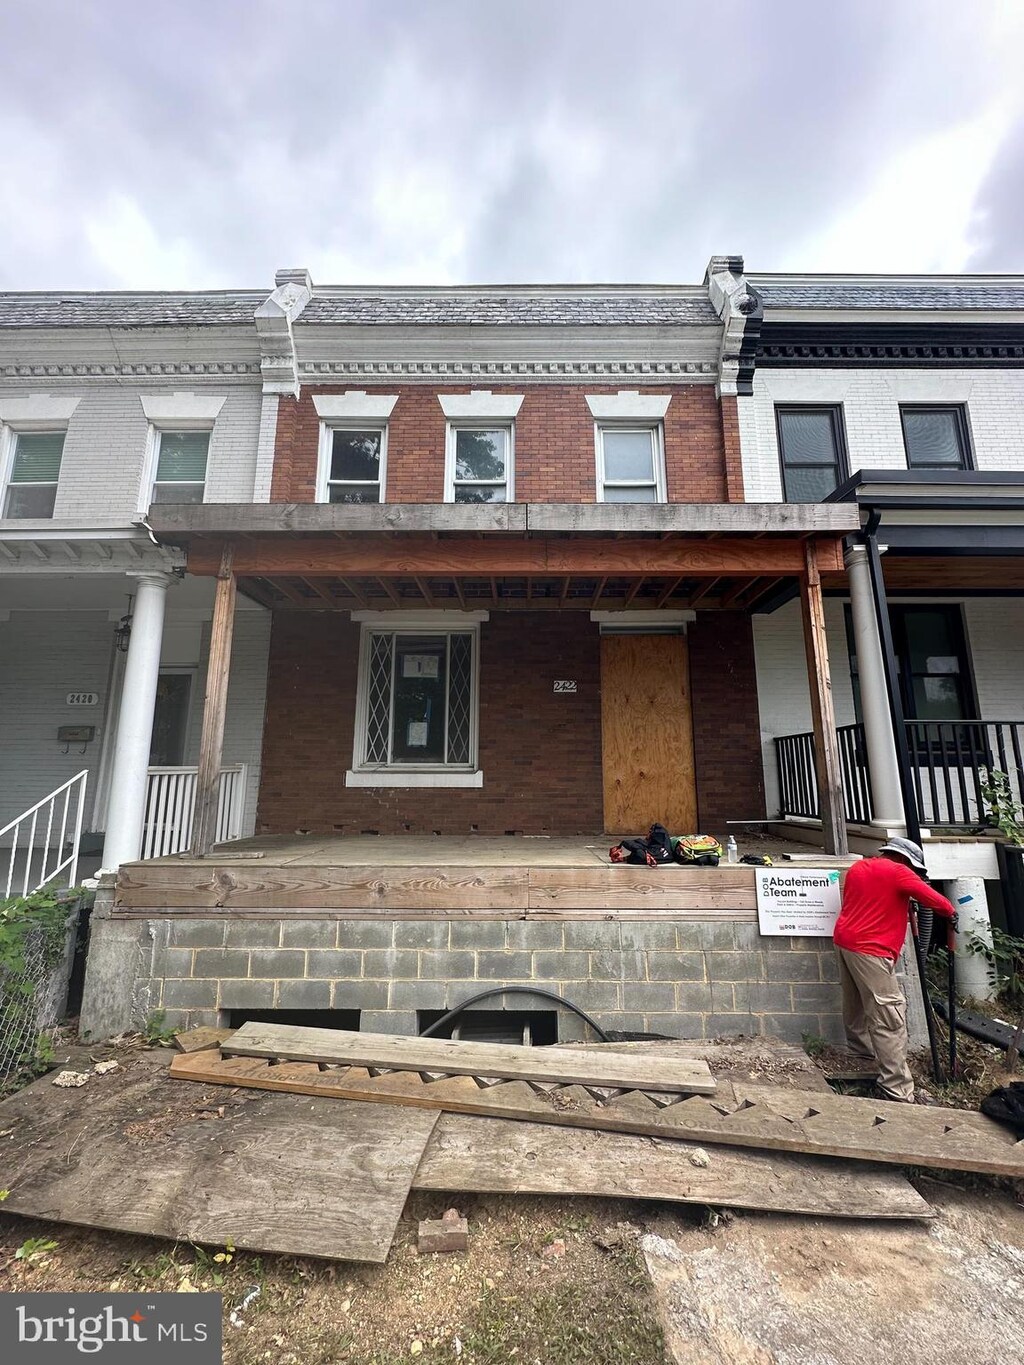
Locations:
(726, 720)
(554, 444)
(540, 753)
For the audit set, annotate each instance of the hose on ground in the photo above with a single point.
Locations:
(514, 990)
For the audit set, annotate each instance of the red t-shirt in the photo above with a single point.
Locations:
(876, 907)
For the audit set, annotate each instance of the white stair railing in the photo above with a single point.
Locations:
(170, 805)
(51, 822)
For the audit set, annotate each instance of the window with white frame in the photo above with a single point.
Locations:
(416, 709)
(355, 465)
(180, 428)
(630, 464)
(479, 453)
(629, 444)
(479, 463)
(352, 463)
(180, 466)
(33, 471)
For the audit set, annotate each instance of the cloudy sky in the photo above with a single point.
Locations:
(204, 143)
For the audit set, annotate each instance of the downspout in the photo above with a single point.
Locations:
(869, 538)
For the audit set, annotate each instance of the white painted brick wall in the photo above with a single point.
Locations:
(43, 656)
(874, 434)
(783, 696)
(995, 642)
(46, 654)
(105, 447)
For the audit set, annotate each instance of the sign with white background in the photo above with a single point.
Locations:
(802, 902)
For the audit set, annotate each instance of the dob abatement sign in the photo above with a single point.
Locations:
(804, 902)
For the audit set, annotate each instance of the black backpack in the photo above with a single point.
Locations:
(652, 851)
(1006, 1105)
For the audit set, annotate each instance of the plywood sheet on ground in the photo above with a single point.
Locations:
(553, 1064)
(739, 1114)
(502, 1156)
(763, 1060)
(132, 1152)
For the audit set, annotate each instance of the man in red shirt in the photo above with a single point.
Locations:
(869, 936)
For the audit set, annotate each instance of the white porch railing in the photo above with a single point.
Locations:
(39, 835)
(170, 804)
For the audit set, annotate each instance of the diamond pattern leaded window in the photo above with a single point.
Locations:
(419, 700)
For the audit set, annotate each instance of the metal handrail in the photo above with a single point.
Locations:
(47, 873)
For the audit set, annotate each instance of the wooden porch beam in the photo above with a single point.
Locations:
(826, 741)
(703, 591)
(375, 557)
(634, 589)
(597, 592)
(459, 593)
(211, 745)
(356, 592)
(314, 586)
(424, 590)
(666, 593)
(389, 589)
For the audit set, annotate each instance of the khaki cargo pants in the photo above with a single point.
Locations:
(875, 1016)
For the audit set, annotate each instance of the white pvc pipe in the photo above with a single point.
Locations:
(973, 974)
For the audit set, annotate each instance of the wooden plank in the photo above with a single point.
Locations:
(737, 1115)
(219, 519)
(501, 1156)
(550, 1064)
(198, 1039)
(826, 741)
(211, 744)
(647, 734)
(671, 889)
(251, 885)
(135, 1153)
(411, 555)
(762, 1060)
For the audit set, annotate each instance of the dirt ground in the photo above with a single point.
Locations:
(560, 1282)
(601, 1282)
(767, 1291)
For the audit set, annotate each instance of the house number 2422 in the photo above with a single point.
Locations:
(565, 684)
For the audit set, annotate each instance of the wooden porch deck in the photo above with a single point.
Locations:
(430, 877)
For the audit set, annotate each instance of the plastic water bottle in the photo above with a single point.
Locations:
(732, 853)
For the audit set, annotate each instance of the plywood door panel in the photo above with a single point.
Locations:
(647, 734)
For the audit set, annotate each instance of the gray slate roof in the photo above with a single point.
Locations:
(130, 310)
(494, 308)
(972, 295)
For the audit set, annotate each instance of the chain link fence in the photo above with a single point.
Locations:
(33, 998)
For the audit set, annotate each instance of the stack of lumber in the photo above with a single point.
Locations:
(308, 1141)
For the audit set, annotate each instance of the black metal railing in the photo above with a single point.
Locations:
(948, 761)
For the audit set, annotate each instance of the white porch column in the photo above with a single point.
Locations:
(973, 977)
(886, 797)
(125, 812)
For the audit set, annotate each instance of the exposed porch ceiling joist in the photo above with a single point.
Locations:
(507, 593)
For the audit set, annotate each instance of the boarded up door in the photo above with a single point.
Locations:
(647, 734)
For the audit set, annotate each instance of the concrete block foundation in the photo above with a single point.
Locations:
(686, 979)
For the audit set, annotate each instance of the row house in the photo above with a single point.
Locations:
(433, 592)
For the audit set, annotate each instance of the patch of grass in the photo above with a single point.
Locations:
(566, 1325)
(814, 1044)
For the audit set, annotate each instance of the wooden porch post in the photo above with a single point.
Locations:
(211, 746)
(826, 742)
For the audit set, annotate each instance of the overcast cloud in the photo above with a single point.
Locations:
(204, 144)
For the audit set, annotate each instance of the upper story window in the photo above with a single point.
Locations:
(32, 432)
(180, 466)
(629, 442)
(31, 484)
(936, 437)
(480, 443)
(355, 466)
(812, 450)
(629, 465)
(181, 426)
(352, 465)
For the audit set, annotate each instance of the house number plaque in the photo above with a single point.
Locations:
(82, 698)
(565, 685)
